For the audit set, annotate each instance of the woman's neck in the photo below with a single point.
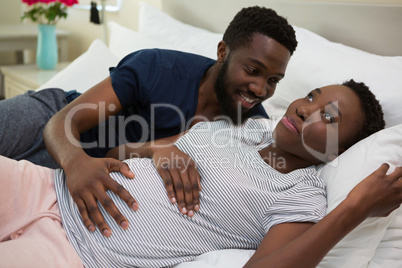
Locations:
(282, 161)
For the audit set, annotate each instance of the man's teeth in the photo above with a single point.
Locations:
(247, 99)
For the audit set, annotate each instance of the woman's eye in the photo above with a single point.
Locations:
(328, 117)
(309, 97)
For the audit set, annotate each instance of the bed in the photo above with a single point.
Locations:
(336, 42)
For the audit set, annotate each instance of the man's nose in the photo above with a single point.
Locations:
(259, 87)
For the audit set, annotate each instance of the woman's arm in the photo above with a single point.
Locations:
(306, 244)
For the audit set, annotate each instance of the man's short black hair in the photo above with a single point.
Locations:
(374, 116)
(266, 21)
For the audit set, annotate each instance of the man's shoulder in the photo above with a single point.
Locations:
(167, 53)
(166, 59)
(258, 112)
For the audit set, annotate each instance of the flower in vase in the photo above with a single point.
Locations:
(47, 11)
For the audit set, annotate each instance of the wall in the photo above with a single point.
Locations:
(370, 25)
(10, 12)
(82, 32)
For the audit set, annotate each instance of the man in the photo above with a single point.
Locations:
(156, 93)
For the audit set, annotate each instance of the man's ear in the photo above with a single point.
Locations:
(223, 51)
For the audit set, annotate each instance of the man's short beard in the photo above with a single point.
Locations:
(227, 104)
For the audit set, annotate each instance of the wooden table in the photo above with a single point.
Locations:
(22, 77)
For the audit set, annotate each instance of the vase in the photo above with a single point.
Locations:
(46, 49)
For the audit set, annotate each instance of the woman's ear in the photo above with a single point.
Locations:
(332, 156)
(223, 51)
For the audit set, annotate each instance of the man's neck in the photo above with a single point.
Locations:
(208, 106)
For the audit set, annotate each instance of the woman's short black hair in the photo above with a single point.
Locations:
(266, 21)
(374, 116)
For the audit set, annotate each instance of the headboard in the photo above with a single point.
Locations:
(369, 27)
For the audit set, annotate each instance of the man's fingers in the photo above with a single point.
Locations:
(97, 217)
(82, 208)
(123, 194)
(111, 208)
(116, 165)
(88, 206)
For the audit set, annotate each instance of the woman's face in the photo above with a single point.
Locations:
(316, 127)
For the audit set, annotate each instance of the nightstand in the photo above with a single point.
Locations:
(20, 37)
(24, 77)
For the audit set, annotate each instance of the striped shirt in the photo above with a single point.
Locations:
(241, 199)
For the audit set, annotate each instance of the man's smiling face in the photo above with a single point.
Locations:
(249, 75)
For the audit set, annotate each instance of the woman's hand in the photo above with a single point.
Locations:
(379, 194)
(88, 180)
(305, 245)
(180, 175)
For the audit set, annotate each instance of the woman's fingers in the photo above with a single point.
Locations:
(167, 179)
(196, 185)
(182, 183)
(178, 186)
(380, 192)
(397, 173)
(180, 175)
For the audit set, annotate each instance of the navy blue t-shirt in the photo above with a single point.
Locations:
(158, 91)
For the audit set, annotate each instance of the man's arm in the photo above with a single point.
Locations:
(142, 149)
(306, 244)
(88, 178)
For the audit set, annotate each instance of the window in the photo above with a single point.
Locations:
(110, 5)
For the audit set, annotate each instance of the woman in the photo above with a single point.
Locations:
(258, 191)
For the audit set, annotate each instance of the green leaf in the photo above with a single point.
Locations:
(48, 14)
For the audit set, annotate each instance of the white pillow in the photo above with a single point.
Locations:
(389, 251)
(220, 259)
(85, 71)
(123, 41)
(341, 175)
(156, 24)
(318, 62)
